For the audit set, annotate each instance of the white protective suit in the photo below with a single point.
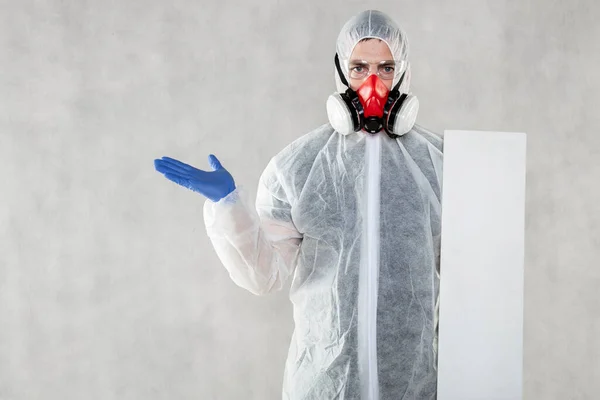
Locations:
(354, 220)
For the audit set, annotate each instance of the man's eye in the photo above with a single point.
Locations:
(358, 69)
(388, 69)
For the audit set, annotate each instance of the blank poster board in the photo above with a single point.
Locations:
(480, 348)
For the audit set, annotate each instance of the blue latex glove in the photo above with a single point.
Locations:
(214, 185)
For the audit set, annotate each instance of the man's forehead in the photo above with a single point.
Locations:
(363, 61)
(371, 50)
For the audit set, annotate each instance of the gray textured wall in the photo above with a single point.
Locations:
(109, 288)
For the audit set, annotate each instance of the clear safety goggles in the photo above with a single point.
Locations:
(360, 69)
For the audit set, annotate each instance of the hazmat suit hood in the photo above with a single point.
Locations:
(373, 24)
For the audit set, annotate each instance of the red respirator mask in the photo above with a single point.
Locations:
(373, 95)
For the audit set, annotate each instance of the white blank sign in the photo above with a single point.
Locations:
(480, 346)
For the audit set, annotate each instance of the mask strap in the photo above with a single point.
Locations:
(393, 96)
(397, 87)
(339, 70)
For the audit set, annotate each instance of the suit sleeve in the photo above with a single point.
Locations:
(258, 246)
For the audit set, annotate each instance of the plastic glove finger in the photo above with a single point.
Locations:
(214, 162)
(178, 180)
(160, 165)
(166, 167)
(179, 164)
(176, 167)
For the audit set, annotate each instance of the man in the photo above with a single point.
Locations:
(350, 211)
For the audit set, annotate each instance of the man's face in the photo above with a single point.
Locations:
(370, 57)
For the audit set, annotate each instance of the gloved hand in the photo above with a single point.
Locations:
(214, 185)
